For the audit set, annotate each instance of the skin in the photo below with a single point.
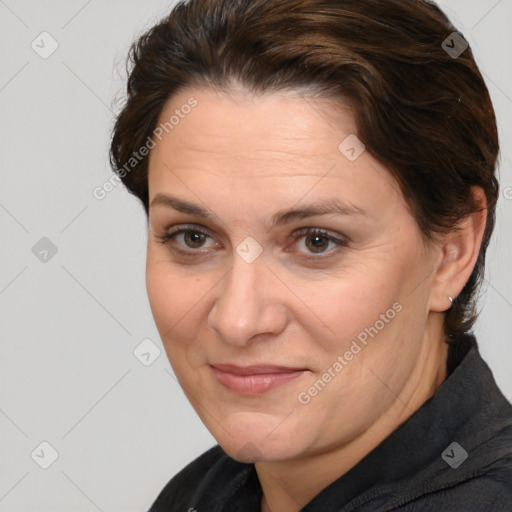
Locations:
(244, 158)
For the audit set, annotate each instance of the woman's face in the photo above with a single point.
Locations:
(322, 315)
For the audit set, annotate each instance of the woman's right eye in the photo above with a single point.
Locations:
(192, 239)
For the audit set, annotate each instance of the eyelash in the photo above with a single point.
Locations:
(303, 232)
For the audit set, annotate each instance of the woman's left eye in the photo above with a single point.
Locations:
(315, 241)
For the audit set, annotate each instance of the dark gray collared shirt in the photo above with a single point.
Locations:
(453, 454)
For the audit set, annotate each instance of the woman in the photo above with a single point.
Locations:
(319, 181)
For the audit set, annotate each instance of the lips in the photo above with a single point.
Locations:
(256, 379)
(255, 370)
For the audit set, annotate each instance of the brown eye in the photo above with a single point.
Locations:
(194, 239)
(186, 240)
(317, 243)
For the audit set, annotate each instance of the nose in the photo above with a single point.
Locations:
(249, 305)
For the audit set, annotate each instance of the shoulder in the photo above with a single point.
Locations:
(469, 419)
(481, 483)
(186, 489)
(491, 492)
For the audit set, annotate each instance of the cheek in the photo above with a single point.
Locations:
(175, 299)
(178, 308)
(342, 306)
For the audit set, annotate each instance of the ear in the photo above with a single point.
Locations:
(459, 253)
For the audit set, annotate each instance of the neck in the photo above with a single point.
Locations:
(289, 485)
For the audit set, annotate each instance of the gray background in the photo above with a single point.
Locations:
(70, 321)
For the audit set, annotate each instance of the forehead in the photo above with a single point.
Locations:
(264, 144)
(245, 136)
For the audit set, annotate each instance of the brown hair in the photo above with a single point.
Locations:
(426, 115)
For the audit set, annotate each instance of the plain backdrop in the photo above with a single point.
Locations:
(73, 304)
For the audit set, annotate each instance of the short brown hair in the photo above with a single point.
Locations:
(424, 114)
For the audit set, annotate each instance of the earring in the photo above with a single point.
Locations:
(451, 300)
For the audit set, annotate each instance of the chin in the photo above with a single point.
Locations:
(252, 437)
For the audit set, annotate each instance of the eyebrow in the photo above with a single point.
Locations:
(332, 206)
